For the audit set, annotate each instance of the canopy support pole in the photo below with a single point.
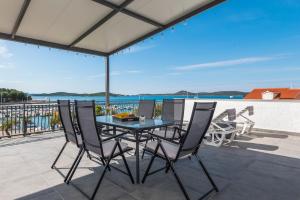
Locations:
(107, 77)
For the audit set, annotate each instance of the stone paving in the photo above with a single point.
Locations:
(257, 166)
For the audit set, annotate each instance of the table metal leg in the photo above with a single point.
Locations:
(114, 130)
(137, 154)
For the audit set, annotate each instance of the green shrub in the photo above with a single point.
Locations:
(99, 111)
(7, 126)
(158, 110)
(55, 120)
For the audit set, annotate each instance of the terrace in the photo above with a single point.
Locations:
(258, 166)
(261, 165)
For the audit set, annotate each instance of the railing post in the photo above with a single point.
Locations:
(107, 81)
(24, 126)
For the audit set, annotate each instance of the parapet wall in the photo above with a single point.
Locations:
(277, 115)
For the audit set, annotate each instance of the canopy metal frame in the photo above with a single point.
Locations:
(13, 36)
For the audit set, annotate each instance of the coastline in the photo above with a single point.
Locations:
(131, 98)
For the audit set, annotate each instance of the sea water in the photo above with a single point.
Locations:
(131, 98)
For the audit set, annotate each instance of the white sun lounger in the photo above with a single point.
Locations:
(243, 119)
(223, 129)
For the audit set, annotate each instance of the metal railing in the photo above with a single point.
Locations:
(29, 118)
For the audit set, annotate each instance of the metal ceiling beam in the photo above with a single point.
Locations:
(21, 39)
(20, 17)
(156, 31)
(130, 13)
(101, 22)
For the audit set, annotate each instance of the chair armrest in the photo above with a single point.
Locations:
(115, 136)
(179, 129)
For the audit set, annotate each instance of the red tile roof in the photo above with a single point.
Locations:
(282, 93)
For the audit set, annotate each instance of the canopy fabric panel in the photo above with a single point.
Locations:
(60, 21)
(166, 10)
(118, 31)
(100, 27)
(8, 14)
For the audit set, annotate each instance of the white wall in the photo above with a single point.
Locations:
(273, 115)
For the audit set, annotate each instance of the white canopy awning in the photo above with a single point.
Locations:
(100, 27)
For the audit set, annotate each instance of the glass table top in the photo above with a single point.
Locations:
(138, 125)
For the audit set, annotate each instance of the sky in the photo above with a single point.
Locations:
(238, 45)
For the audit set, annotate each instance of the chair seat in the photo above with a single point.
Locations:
(170, 148)
(108, 148)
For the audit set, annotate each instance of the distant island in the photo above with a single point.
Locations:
(218, 93)
(179, 93)
(76, 94)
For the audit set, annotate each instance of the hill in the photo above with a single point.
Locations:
(75, 94)
(218, 93)
(179, 93)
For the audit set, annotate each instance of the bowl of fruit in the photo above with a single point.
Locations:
(125, 117)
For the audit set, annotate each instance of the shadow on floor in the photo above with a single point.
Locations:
(238, 172)
(255, 146)
(27, 139)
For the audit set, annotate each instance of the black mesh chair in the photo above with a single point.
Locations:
(172, 110)
(71, 133)
(187, 147)
(146, 108)
(105, 149)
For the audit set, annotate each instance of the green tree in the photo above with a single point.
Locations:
(13, 95)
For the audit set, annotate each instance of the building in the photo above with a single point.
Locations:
(274, 93)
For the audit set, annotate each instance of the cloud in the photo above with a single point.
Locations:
(174, 73)
(11, 81)
(68, 78)
(6, 66)
(133, 71)
(228, 63)
(278, 69)
(274, 80)
(115, 73)
(96, 76)
(4, 52)
(246, 16)
(138, 48)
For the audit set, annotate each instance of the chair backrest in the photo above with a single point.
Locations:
(146, 108)
(250, 110)
(231, 114)
(85, 111)
(173, 110)
(200, 121)
(66, 120)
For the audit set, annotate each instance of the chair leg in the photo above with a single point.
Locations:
(179, 181)
(100, 180)
(207, 174)
(56, 159)
(143, 153)
(88, 155)
(167, 167)
(74, 162)
(148, 169)
(174, 172)
(127, 168)
(72, 171)
(103, 173)
(103, 162)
